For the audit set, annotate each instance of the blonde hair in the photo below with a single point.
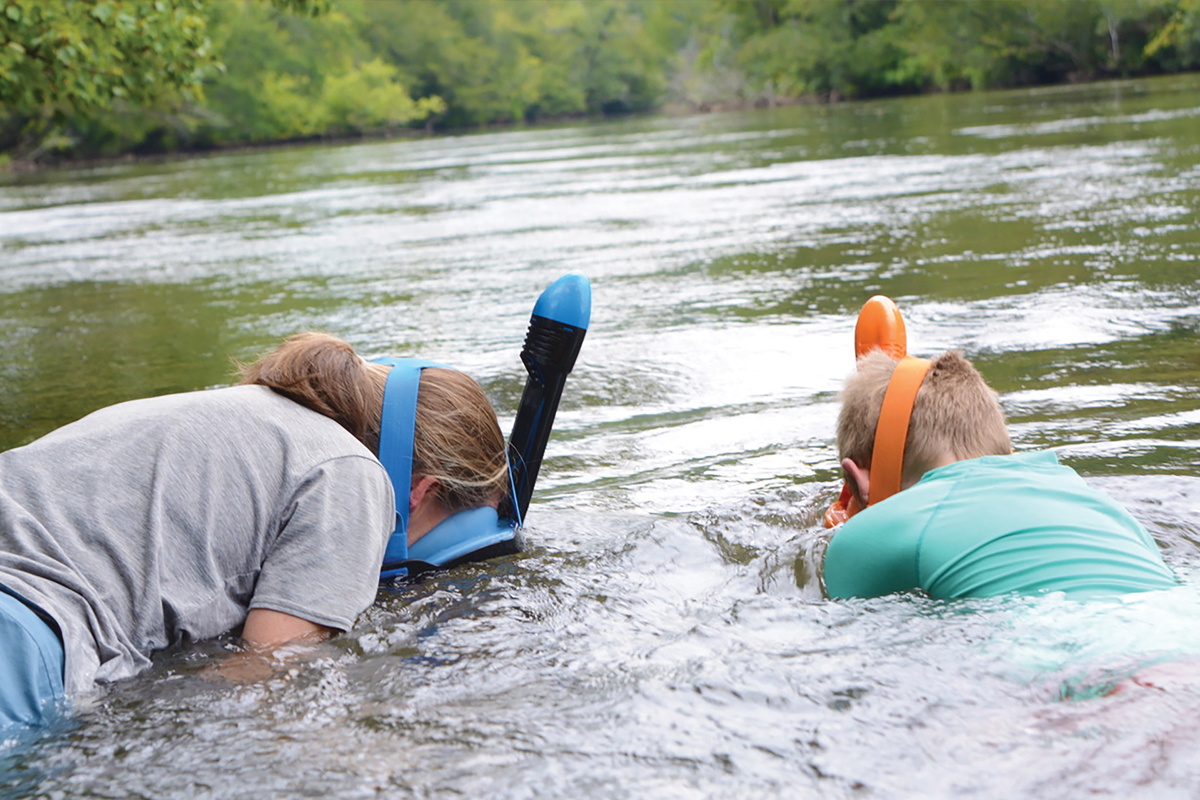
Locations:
(456, 440)
(955, 412)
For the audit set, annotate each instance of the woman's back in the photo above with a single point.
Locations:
(161, 520)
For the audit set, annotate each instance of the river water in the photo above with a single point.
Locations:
(665, 633)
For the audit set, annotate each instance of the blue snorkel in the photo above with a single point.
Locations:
(556, 330)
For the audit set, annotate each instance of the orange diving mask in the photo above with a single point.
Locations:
(880, 326)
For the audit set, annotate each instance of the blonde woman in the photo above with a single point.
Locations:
(263, 506)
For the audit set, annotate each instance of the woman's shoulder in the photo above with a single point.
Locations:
(249, 419)
(260, 413)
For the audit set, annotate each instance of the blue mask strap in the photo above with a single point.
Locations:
(512, 487)
(397, 425)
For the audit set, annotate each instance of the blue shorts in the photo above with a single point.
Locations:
(31, 666)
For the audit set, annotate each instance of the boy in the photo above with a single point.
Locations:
(973, 519)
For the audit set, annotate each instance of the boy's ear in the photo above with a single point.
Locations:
(859, 480)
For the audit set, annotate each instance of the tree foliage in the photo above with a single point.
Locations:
(83, 55)
(854, 48)
(102, 77)
(67, 66)
(512, 60)
(1180, 37)
(290, 76)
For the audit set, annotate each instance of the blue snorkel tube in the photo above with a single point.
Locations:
(556, 330)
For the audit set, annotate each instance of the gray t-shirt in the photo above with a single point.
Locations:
(161, 521)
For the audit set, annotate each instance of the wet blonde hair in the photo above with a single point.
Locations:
(456, 440)
(954, 412)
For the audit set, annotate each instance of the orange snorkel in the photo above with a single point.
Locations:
(881, 326)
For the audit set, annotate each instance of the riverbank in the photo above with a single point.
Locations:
(674, 109)
(248, 74)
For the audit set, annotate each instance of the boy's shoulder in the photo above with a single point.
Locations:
(963, 491)
(1029, 460)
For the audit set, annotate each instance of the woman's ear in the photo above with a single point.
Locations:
(425, 510)
(859, 480)
(422, 489)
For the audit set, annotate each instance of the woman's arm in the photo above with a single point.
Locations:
(266, 629)
(265, 635)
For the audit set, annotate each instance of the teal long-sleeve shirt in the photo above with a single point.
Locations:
(993, 525)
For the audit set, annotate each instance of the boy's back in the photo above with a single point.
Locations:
(992, 525)
(968, 518)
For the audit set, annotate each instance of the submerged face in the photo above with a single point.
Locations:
(397, 424)
(424, 522)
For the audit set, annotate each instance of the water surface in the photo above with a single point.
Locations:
(665, 634)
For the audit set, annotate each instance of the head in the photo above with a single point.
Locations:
(458, 449)
(955, 416)
(459, 453)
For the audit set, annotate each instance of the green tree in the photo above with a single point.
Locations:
(848, 48)
(289, 76)
(101, 77)
(511, 60)
(837, 48)
(368, 96)
(59, 54)
(64, 58)
(93, 74)
(1177, 43)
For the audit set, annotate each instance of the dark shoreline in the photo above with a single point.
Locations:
(20, 168)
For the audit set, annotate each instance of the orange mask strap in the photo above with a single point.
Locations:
(891, 432)
(881, 326)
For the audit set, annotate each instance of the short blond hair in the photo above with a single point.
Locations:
(456, 437)
(955, 412)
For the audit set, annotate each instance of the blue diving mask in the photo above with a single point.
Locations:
(557, 328)
(469, 535)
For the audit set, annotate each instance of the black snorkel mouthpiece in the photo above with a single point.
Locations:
(556, 330)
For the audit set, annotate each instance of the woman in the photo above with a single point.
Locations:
(178, 518)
